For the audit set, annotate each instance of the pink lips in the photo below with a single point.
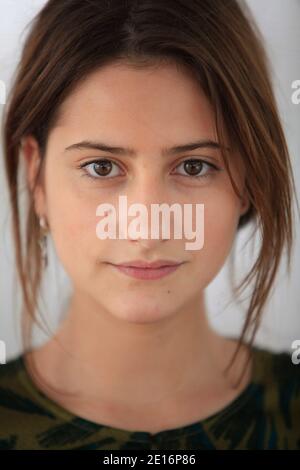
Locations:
(147, 271)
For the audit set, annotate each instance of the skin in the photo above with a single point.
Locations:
(139, 355)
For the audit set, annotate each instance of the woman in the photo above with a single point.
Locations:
(161, 102)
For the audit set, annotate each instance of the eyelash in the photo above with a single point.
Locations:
(213, 168)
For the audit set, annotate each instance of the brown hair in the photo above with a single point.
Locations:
(220, 43)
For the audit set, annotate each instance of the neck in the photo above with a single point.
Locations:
(101, 355)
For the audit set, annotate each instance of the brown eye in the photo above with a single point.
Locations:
(194, 167)
(99, 169)
(102, 168)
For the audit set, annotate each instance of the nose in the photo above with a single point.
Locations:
(147, 244)
(143, 226)
(146, 240)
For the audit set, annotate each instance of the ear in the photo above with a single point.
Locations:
(32, 159)
(245, 203)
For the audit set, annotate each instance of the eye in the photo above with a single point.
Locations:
(195, 166)
(104, 168)
(99, 169)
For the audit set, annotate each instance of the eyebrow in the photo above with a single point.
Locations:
(95, 145)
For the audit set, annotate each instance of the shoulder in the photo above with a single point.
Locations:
(285, 374)
(281, 368)
(9, 373)
(10, 399)
(17, 392)
(278, 395)
(267, 413)
(21, 414)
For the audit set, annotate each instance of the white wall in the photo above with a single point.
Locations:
(279, 21)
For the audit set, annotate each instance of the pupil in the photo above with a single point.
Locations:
(100, 168)
(193, 166)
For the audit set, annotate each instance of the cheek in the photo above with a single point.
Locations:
(220, 225)
(73, 226)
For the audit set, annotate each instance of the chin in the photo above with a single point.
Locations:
(140, 312)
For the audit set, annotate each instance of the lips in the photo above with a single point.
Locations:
(143, 270)
(146, 274)
(149, 265)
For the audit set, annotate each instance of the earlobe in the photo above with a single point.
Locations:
(245, 204)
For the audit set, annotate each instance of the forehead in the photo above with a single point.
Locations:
(154, 100)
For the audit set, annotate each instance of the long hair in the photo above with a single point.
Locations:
(218, 41)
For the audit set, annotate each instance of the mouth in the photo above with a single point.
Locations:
(146, 273)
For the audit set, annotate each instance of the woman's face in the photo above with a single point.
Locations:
(148, 110)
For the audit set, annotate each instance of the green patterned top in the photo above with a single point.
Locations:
(266, 415)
